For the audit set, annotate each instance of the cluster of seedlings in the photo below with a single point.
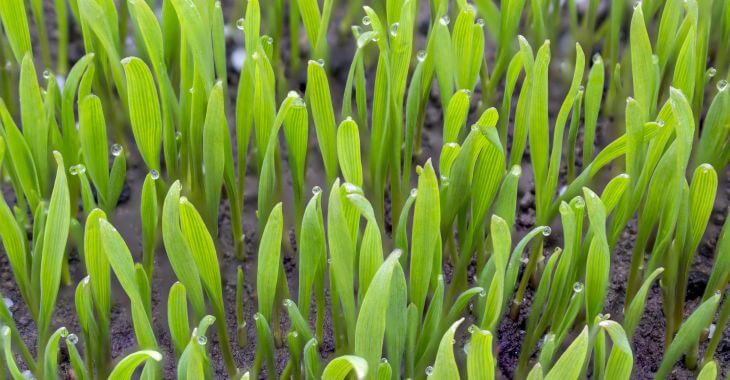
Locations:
(405, 259)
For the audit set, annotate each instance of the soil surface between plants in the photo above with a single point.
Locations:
(648, 341)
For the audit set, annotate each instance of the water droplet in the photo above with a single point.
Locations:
(287, 302)
(256, 317)
(191, 90)
(711, 331)
(474, 127)
(445, 20)
(356, 30)
(596, 58)
(8, 65)
(320, 62)
(581, 88)
(470, 329)
(483, 293)
(711, 72)
(394, 29)
(637, 5)
(660, 123)
(28, 375)
(366, 20)
(429, 371)
(383, 360)
(316, 190)
(329, 260)
(516, 171)
(178, 135)
(467, 92)
(421, 55)
(722, 85)
(217, 4)
(73, 170)
(46, 74)
(72, 338)
(117, 150)
(240, 23)
(578, 287)
(414, 192)
(293, 94)
(546, 231)
(480, 21)
(154, 174)
(579, 203)
(202, 340)
(269, 40)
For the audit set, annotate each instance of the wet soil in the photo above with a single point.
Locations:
(648, 340)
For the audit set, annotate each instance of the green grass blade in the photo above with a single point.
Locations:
(339, 368)
(54, 247)
(124, 370)
(177, 317)
(144, 111)
(621, 360)
(480, 361)
(320, 100)
(93, 139)
(570, 363)
(269, 262)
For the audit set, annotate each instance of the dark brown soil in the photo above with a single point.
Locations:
(648, 341)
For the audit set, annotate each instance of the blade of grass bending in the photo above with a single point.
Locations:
(205, 256)
(269, 261)
(144, 111)
(97, 18)
(77, 363)
(480, 361)
(127, 366)
(621, 360)
(688, 333)
(636, 307)
(265, 345)
(178, 251)
(54, 248)
(8, 354)
(339, 368)
(50, 358)
(122, 264)
(371, 321)
(68, 118)
(445, 365)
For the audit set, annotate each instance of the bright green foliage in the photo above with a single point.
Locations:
(450, 145)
